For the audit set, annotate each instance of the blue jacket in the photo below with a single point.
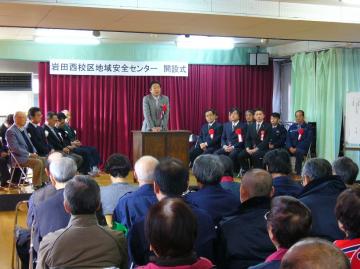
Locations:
(243, 237)
(229, 136)
(134, 205)
(50, 216)
(138, 245)
(38, 138)
(215, 200)
(278, 136)
(284, 185)
(320, 196)
(205, 136)
(17, 144)
(292, 138)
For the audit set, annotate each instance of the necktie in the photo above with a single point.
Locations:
(257, 127)
(28, 144)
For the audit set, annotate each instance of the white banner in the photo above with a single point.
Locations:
(118, 68)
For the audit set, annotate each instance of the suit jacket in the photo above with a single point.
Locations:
(292, 139)
(55, 140)
(152, 113)
(83, 244)
(278, 136)
(253, 138)
(229, 136)
(205, 137)
(38, 138)
(17, 144)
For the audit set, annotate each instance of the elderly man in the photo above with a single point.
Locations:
(243, 237)
(346, 169)
(321, 190)
(216, 201)
(83, 243)
(24, 151)
(314, 253)
(134, 205)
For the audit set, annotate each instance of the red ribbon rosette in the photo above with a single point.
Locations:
(163, 110)
(211, 133)
(238, 132)
(262, 135)
(301, 133)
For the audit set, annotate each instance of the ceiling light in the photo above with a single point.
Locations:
(204, 42)
(351, 2)
(59, 36)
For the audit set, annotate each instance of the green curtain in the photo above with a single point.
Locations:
(320, 81)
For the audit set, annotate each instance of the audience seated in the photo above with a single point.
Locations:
(24, 151)
(321, 190)
(118, 166)
(4, 169)
(210, 136)
(256, 142)
(83, 243)
(314, 253)
(90, 154)
(134, 205)
(347, 213)
(57, 142)
(288, 221)
(277, 163)
(171, 228)
(243, 237)
(227, 180)
(278, 132)
(233, 137)
(249, 117)
(171, 180)
(298, 140)
(36, 133)
(346, 169)
(50, 215)
(211, 197)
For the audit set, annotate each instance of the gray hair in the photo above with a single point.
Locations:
(145, 168)
(317, 168)
(346, 169)
(63, 169)
(208, 169)
(257, 182)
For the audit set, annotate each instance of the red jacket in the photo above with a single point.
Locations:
(201, 263)
(349, 247)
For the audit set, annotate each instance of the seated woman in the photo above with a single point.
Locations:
(347, 213)
(288, 221)
(171, 229)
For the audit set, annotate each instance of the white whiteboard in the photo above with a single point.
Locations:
(352, 118)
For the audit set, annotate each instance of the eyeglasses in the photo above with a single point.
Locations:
(267, 215)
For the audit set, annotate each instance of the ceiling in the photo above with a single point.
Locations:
(28, 34)
(165, 22)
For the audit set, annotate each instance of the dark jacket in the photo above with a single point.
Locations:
(230, 136)
(253, 138)
(243, 237)
(133, 206)
(38, 138)
(139, 247)
(320, 196)
(204, 136)
(284, 185)
(292, 139)
(278, 136)
(54, 139)
(267, 265)
(215, 200)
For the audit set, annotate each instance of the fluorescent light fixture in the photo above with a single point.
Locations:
(205, 42)
(60, 36)
(351, 2)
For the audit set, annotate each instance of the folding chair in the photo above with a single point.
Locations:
(16, 165)
(21, 207)
(308, 156)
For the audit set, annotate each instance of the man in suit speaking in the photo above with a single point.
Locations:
(156, 110)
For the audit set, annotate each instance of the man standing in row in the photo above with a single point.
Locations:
(156, 110)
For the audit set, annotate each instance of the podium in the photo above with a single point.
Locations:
(162, 144)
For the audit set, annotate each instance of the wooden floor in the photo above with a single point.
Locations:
(7, 219)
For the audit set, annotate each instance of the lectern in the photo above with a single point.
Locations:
(162, 144)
